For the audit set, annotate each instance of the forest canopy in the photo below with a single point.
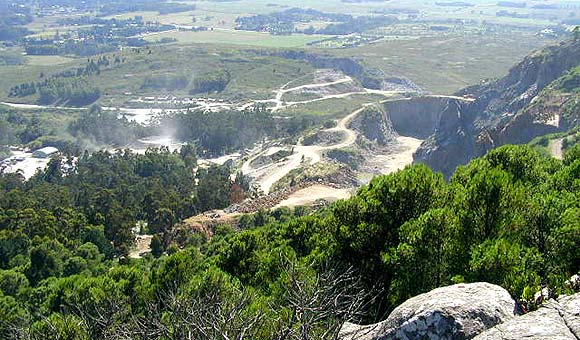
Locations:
(509, 218)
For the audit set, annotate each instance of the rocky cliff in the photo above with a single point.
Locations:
(374, 125)
(500, 112)
(370, 78)
(419, 116)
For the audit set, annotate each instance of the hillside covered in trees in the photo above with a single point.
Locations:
(509, 218)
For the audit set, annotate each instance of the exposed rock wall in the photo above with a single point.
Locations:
(374, 125)
(498, 115)
(369, 77)
(418, 117)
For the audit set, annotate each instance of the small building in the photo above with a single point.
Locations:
(45, 152)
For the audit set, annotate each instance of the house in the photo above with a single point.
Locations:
(45, 152)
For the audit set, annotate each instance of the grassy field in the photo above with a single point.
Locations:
(332, 108)
(48, 60)
(253, 76)
(439, 62)
(483, 10)
(232, 37)
(447, 64)
(182, 18)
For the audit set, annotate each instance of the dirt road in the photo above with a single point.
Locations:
(555, 148)
(313, 193)
(268, 175)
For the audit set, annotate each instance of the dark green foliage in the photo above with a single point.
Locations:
(165, 82)
(73, 92)
(572, 154)
(12, 282)
(222, 132)
(284, 22)
(101, 202)
(358, 24)
(11, 315)
(156, 246)
(210, 82)
(103, 127)
(570, 81)
(215, 188)
(35, 130)
(509, 218)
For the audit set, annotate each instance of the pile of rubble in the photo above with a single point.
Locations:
(271, 200)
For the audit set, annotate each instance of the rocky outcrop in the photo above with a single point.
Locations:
(373, 124)
(498, 114)
(455, 312)
(263, 160)
(370, 78)
(419, 116)
(558, 320)
(324, 138)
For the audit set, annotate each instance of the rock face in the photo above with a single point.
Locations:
(374, 125)
(368, 77)
(419, 117)
(502, 112)
(324, 138)
(455, 312)
(558, 320)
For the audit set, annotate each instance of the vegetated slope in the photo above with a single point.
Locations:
(530, 101)
(509, 218)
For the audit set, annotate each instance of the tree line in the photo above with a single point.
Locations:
(217, 133)
(70, 87)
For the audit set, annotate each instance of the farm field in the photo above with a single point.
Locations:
(243, 38)
(446, 64)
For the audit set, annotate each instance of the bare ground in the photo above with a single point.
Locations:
(311, 194)
(555, 148)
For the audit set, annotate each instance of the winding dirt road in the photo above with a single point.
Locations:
(268, 175)
(278, 100)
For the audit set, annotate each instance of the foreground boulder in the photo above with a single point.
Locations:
(455, 312)
(558, 320)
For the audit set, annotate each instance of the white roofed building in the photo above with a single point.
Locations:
(45, 152)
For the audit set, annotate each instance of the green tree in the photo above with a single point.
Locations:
(369, 223)
(188, 154)
(12, 282)
(214, 187)
(58, 326)
(74, 265)
(156, 246)
(11, 315)
(43, 264)
(564, 244)
(508, 264)
(425, 257)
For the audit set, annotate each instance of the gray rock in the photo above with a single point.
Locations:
(544, 294)
(455, 312)
(574, 282)
(545, 323)
(570, 312)
(558, 320)
(503, 111)
(374, 125)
